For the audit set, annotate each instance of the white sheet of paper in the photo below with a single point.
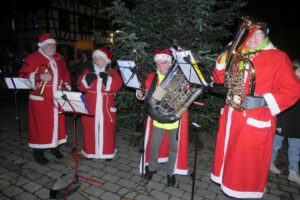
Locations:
(188, 69)
(75, 98)
(20, 83)
(130, 79)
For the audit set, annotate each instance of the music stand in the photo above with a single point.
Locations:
(16, 84)
(132, 79)
(189, 68)
(71, 102)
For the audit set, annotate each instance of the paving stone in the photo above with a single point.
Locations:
(110, 178)
(25, 196)
(94, 191)
(43, 193)
(4, 184)
(126, 183)
(111, 187)
(173, 191)
(111, 196)
(159, 195)
(206, 193)
(143, 197)
(31, 187)
(12, 191)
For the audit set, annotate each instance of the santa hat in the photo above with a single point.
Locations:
(162, 55)
(104, 53)
(45, 39)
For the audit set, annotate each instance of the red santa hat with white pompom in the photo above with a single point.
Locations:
(45, 39)
(162, 55)
(104, 53)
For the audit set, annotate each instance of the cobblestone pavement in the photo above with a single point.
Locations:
(121, 175)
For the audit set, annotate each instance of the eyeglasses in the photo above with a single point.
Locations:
(258, 34)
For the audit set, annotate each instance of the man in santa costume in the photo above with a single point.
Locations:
(164, 142)
(244, 141)
(100, 83)
(47, 73)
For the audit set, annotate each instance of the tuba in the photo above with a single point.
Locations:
(168, 102)
(239, 67)
(42, 84)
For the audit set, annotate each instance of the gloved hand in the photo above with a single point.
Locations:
(90, 77)
(103, 75)
(252, 102)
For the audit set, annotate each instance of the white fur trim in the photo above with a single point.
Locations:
(84, 82)
(272, 104)
(113, 109)
(102, 54)
(162, 56)
(220, 66)
(68, 86)
(35, 97)
(258, 123)
(215, 179)
(32, 80)
(48, 41)
(180, 171)
(101, 156)
(239, 194)
(46, 146)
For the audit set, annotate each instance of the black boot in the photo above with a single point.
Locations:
(171, 180)
(148, 174)
(39, 157)
(56, 153)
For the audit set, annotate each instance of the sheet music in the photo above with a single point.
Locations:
(191, 72)
(20, 83)
(75, 98)
(128, 74)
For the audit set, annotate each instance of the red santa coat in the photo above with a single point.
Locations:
(244, 141)
(47, 128)
(181, 165)
(99, 127)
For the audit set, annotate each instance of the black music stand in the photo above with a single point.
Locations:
(16, 84)
(132, 79)
(71, 102)
(197, 127)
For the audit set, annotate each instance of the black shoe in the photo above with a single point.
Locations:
(148, 174)
(41, 160)
(108, 159)
(171, 180)
(56, 153)
(39, 157)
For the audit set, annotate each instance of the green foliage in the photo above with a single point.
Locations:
(202, 26)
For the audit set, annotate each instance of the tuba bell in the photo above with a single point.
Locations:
(42, 84)
(168, 102)
(239, 67)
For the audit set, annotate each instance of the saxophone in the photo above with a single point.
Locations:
(239, 67)
(172, 98)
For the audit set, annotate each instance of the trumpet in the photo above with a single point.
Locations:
(41, 86)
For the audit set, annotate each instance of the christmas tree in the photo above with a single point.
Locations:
(202, 26)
